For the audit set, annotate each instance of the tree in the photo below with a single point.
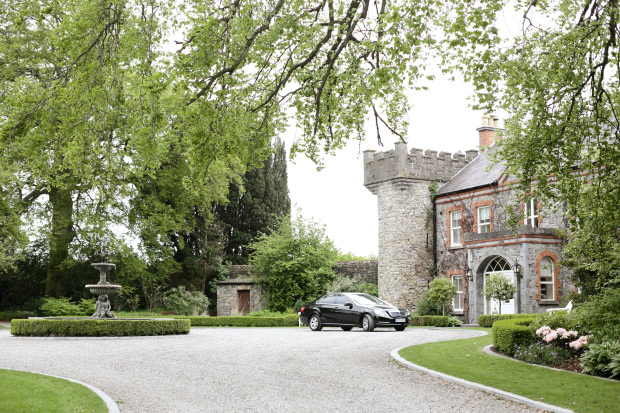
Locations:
(256, 206)
(441, 290)
(498, 287)
(558, 81)
(295, 262)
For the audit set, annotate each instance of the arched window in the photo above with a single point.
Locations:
(547, 290)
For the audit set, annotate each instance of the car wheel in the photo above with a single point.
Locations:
(315, 323)
(368, 323)
(346, 328)
(400, 328)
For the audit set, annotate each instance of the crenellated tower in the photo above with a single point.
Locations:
(401, 181)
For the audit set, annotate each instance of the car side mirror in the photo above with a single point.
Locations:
(348, 305)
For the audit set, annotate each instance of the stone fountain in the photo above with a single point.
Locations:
(103, 288)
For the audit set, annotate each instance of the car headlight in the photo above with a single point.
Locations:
(381, 313)
(407, 312)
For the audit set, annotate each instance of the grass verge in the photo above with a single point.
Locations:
(28, 392)
(574, 391)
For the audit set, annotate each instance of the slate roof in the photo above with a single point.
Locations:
(474, 175)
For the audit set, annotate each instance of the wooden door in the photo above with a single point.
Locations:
(243, 301)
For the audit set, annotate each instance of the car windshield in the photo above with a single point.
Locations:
(366, 299)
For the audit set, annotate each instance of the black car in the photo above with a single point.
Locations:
(348, 310)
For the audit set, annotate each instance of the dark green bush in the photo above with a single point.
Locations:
(289, 320)
(434, 321)
(488, 320)
(15, 314)
(508, 334)
(95, 328)
(600, 316)
(62, 307)
(427, 306)
(556, 320)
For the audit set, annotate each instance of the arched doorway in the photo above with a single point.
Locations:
(498, 265)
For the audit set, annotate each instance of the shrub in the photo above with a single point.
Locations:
(184, 302)
(542, 353)
(435, 321)
(265, 313)
(512, 333)
(62, 307)
(428, 306)
(559, 319)
(97, 328)
(289, 320)
(488, 320)
(499, 288)
(600, 316)
(441, 290)
(15, 314)
(602, 359)
(340, 283)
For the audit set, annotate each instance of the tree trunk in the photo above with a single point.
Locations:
(500, 306)
(62, 234)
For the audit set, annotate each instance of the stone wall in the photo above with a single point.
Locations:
(366, 270)
(227, 296)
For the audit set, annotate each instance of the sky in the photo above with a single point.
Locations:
(440, 119)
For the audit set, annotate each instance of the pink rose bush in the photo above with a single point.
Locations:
(562, 337)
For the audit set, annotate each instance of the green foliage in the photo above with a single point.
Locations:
(600, 316)
(255, 206)
(555, 320)
(542, 353)
(340, 283)
(428, 306)
(435, 321)
(488, 320)
(602, 359)
(499, 288)
(349, 256)
(62, 307)
(13, 314)
(298, 304)
(512, 333)
(98, 328)
(184, 302)
(288, 320)
(441, 290)
(293, 263)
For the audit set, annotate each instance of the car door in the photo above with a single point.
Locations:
(327, 307)
(344, 312)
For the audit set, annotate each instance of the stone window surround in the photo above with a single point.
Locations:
(461, 272)
(478, 204)
(556, 277)
(449, 211)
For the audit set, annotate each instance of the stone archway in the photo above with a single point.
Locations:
(497, 265)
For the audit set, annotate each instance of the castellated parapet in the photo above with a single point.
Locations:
(401, 180)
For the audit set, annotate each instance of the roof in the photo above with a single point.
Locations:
(474, 175)
(237, 281)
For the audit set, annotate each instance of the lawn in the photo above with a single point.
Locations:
(28, 392)
(574, 391)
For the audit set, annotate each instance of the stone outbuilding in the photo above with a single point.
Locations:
(239, 296)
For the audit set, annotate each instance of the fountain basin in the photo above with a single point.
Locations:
(107, 289)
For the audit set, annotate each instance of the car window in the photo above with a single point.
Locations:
(328, 299)
(366, 299)
(342, 300)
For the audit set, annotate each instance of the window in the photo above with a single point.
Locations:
(531, 213)
(342, 300)
(457, 300)
(455, 229)
(484, 219)
(546, 279)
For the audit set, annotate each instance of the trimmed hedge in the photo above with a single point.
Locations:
(432, 320)
(488, 320)
(96, 328)
(507, 334)
(15, 314)
(289, 320)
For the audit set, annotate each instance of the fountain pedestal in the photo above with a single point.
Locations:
(103, 289)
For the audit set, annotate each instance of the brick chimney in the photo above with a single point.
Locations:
(487, 131)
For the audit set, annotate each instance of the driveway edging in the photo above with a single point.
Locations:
(110, 403)
(497, 392)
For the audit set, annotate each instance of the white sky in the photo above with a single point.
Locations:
(440, 119)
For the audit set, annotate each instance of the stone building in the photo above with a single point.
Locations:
(461, 233)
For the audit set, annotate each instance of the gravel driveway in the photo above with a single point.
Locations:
(253, 370)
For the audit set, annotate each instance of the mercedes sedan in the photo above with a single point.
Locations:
(348, 310)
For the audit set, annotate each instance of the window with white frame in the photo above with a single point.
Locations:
(455, 229)
(531, 213)
(546, 279)
(484, 219)
(457, 300)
